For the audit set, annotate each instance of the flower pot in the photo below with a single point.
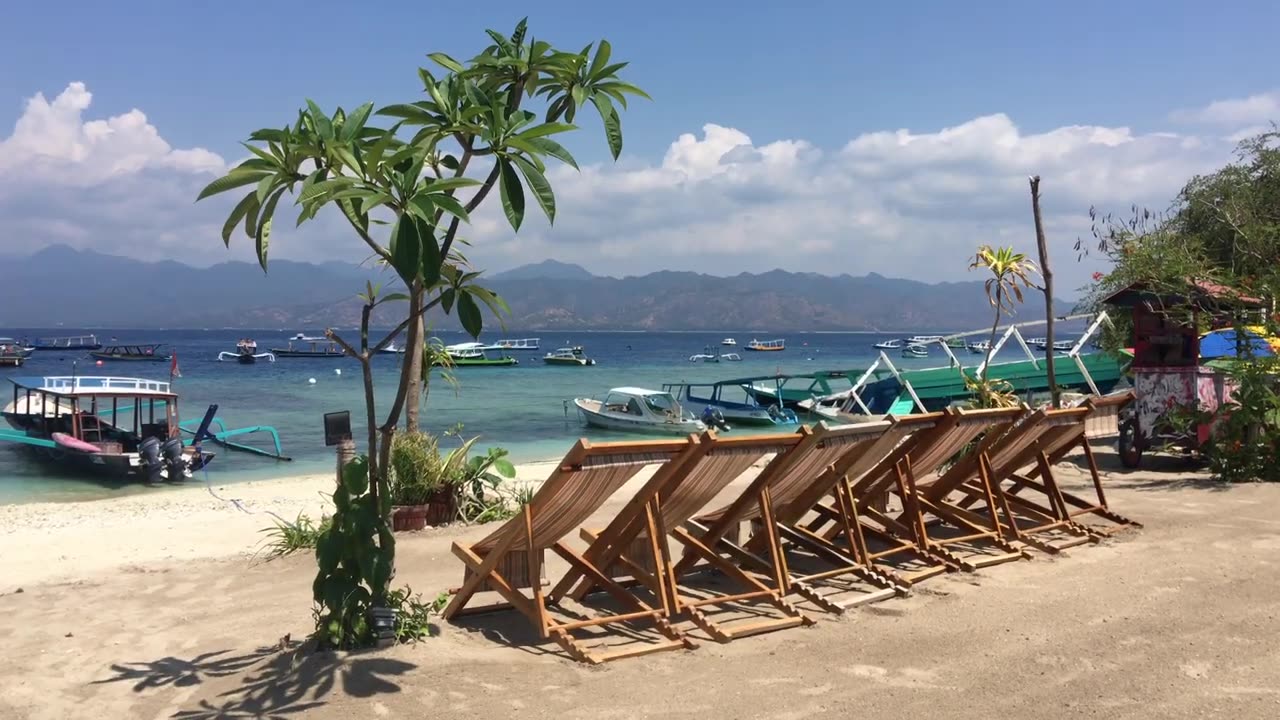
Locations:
(438, 510)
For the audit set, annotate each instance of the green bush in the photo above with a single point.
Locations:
(417, 471)
(287, 538)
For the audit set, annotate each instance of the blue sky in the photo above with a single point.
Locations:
(204, 74)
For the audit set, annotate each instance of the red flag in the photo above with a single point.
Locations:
(173, 366)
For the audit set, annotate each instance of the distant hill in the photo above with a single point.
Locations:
(60, 285)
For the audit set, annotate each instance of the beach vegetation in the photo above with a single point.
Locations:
(1010, 273)
(286, 537)
(406, 190)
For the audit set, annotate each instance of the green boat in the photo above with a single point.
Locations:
(474, 354)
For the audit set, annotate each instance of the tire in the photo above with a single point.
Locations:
(1128, 445)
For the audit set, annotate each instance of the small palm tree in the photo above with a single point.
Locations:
(1010, 273)
(434, 355)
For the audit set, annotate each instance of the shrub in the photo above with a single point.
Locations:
(417, 472)
(288, 537)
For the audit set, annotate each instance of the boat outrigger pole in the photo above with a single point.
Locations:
(223, 435)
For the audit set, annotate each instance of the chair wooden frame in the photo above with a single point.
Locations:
(511, 558)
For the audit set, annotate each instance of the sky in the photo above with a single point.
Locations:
(821, 137)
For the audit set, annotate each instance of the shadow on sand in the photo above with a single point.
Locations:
(278, 682)
(1159, 471)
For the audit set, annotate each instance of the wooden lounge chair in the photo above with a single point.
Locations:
(1057, 443)
(914, 472)
(510, 559)
(627, 543)
(774, 503)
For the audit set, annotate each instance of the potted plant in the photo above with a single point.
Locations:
(421, 493)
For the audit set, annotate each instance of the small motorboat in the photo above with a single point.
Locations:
(729, 403)
(915, 351)
(246, 353)
(633, 409)
(894, 344)
(568, 356)
(980, 348)
(729, 341)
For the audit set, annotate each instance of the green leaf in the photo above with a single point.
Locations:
(423, 206)
(512, 193)
(355, 475)
(547, 146)
(430, 260)
(446, 62)
(504, 467)
(612, 124)
(262, 155)
(355, 122)
(625, 88)
(579, 97)
(451, 205)
(406, 248)
(550, 128)
(234, 179)
(413, 113)
(469, 315)
(236, 216)
(602, 58)
(264, 187)
(323, 126)
(263, 239)
(251, 217)
(451, 183)
(537, 182)
(447, 297)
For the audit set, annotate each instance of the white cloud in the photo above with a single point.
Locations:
(1256, 110)
(906, 202)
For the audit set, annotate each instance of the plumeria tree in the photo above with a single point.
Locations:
(1010, 272)
(407, 188)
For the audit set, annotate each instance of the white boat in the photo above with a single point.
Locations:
(1037, 342)
(632, 409)
(729, 341)
(731, 357)
(923, 339)
(731, 401)
(518, 344)
(979, 348)
(894, 344)
(915, 351)
(21, 349)
(568, 356)
(705, 356)
(392, 349)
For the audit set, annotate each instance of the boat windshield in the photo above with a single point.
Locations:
(661, 404)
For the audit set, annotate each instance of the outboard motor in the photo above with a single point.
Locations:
(712, 417)
(175, 461)
(152, 465)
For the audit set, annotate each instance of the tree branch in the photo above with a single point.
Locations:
(401, 327)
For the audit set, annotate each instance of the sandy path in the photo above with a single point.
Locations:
(1178, 620)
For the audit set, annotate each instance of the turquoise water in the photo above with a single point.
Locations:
(522, 408)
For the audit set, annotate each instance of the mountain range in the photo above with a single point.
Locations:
(78, 288)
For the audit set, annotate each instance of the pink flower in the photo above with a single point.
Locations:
(1098, 276)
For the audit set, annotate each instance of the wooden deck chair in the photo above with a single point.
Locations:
(857, 514)
(788, 483)
(916, 471)
(510, 559)
(979, 478)
(1055, 446)
(673, 499)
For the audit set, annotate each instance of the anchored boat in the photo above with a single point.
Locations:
(767, 345)
(894, 344)
(517, 344)
(915, 351)
(246, 353)
(568, 356)
(729, 341)
(474, 354)
(731, 401)
(74, 342)
(632, 409)
(132, 353)
(301, 346)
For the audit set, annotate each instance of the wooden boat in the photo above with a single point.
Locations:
(13, 353)
(517, 344)
(16, 347)
(132, 353)
(767, 345)
(789, 392)
(731, 401)
(64, 344)
(632, 409)
(301, 346)
(246, 353)
(568, 356)
(474, 354)
(116, 426)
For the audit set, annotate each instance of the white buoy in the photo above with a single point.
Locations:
(311, 381)
(337, 371)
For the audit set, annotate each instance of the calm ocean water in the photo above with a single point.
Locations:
(520, 408)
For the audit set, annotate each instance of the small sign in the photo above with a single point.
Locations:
(337, 427)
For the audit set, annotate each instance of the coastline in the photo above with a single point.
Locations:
(69, 541)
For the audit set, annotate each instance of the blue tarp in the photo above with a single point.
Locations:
(1222, 343)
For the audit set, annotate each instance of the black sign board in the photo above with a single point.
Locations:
(337, 427)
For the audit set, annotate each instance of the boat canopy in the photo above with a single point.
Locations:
(72, 386)
(639, 392)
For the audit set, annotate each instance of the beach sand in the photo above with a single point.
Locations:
(154, 607)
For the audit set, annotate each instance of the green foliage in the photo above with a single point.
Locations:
(354, 556)
(288, 537)
(990, 393)
(1010, 272)
(416, 468)
(413, 616)
(1245, 441)
(482, 494)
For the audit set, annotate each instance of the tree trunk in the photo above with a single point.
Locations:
(413, 360)
(995, 327)
(1050, 375)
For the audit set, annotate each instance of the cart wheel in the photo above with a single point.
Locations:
(1129, 449)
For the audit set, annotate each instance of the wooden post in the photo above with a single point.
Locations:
(1056, 394)
(346, 453)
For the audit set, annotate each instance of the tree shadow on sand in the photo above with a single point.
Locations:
(1159, 471)
(275, 685)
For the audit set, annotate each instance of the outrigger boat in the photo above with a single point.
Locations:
(568, 356)
(980, 348)
(132, 353)
(74, 342)
(790, 391)
(915, 351)
(767, 345)
(632, 409)
(117, 426)
(730, 401)
(301, 346)
(517, 344)
(894, 344)
(474, 354)
(246, 353)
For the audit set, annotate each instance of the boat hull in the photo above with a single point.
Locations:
(613, 421)
(130, 358)
(482, 362)
(305, 354)
(580, 362)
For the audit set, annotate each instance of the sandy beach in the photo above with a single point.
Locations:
(154, 606)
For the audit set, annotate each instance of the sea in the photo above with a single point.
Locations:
(526, 409)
